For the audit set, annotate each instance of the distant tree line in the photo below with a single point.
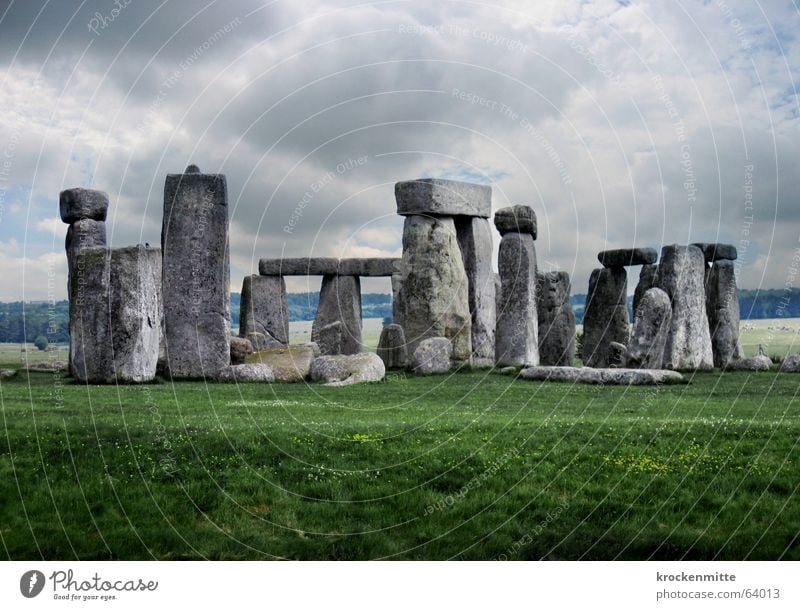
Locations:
(21, 322)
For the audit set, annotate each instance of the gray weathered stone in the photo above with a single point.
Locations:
(246, 373)
(516, 219)
(717, 252)
(434, 290)
(265, 309)
(340, 301)
(627, 257)
(82, 204)
(601, 376)
(681, 275)
(722, 309)
(397, 304)
(475, 240)
(605, 317)
(790, 364)
(240, 350)
(392, 347)
(196, 274)
(347, 370)
(516, 338)
(114, 318)
(86, 233)
(433, 196)
(289, 364)
(647, 278)
(329, 338)
(498, 296)
(365, 267)
(651, 326)
(556, 319)
(8, 373)
(432, 356)
(369, 267)
(261, 342)
(616, 354)
(754, 363)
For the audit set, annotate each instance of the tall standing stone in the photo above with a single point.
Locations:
(340, 301)
(434, 291)
(265, 309)
(650, 331)
(475, 240)
(681, 273)
(196, 273)
(722, 308)
(556, 319)
(605, 317)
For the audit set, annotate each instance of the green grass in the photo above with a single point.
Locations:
(470, 466)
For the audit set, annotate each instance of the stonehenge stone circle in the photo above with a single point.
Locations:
(651, 326)
(717, 252)
(681, 273)
(605, 317)
(433, 356)
(627, 257)
(516, 219)
(392, 347)
(196, 274)
(340, 301)
(556, 319)
(264, 309)
(647, 278)
(722, 309)
(437, 197)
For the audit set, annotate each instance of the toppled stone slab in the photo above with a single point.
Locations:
(602, 376)
(435, 196)
(82, 204)
(627, 257)
(791, 364)
(346, 370)
(364, 267)
(717, 252)
(289, 364)
(265, 309)
(556, 319)
(651, 326)
(516, 219)
(433, 356)
(246, 373)
(392, 347)
(339, 301)
(605, 317)
(754, 363)
(240, 350)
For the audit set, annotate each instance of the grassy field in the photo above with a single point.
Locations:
(468, 466)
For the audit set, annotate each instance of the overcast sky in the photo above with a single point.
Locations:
(622, 123)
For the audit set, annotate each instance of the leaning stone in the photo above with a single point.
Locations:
(196, 274)
(288, 364)
(240, 350)
(433, 356)
(82, 204)
(516, 338)
(339, 301)
(556, 319)
(647, 278)
(650, 330)
(717, 252)
(755, 363)
(616, 354)
(443, 197)
(681, 275)
(347, 370)
(600, 376)
(722, 309)
(392, 347)
(627, 257)
(605, 317)
(246, 373)
(516, 219)
(475, 241)
(265, 308)
(434, 291)
(791, 364)
(329, 339)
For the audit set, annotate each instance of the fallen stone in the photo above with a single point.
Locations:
(392, 347)
(347, 370)
(605, 316)
(82, 204)
(556, 319)
(722, 309)
(627, 257)
(433, 356)
(288, 364)
(240, 350)
(265, 308)
(339, 301)
(7, 373)
(754, 363)
(443, 197)
(516, 337)
(601, 376)
(717, 252)
(651, 326)
(647, 279)
(246, 373)
(681, 274)
(791, 364)
(329, 339)
(509, 370)
(46, 365)
(516, 219)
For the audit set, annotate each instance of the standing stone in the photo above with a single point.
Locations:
(392, 347)
(475, 240)
(517, 342)
(397, 305)
(265, 309)
(85, 233)
(556, 319)
(329, 339)
(114, 323)
(434, 291)
(650, 331)
(722, 309)
(605, 316)
(681, 275)
(340, 301)
(647, 278)
(196, 273)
